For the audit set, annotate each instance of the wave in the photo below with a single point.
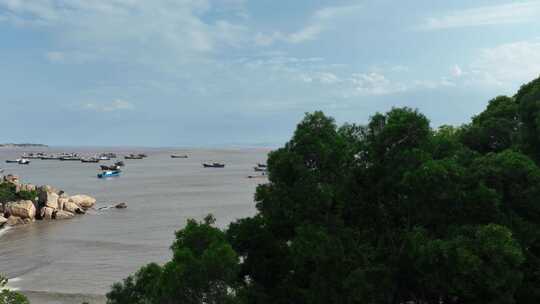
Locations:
(4, 231)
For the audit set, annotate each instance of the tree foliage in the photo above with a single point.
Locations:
(10, 297)
(390, 212)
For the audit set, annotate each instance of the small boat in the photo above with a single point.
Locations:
(70, 158)
(179, 156)
(20, 161)
(49, 157)
(108, 155)
(119, 163)
(24, 161)
(110, 173)
(110, 168)
(259, 169)
(261, 165)
(33, 155)
(133, 156)
(213, 165)
(142, 155)
(90, 160)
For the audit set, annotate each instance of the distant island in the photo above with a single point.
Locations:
(23, 145)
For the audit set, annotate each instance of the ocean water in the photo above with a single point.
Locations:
(77, 260)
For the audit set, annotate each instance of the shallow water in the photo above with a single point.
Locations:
(62, 261)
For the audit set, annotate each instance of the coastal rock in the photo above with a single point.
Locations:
(14, 221)
(3, 221)
(47, 189)
(47, 213)
(84, 201)
(51, 200)
(73, 208)
(11, 179)
(28, 187)
(62, 202)
(63, 215)
(120, 206)
(22, 209)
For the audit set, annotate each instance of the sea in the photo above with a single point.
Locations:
(77, 260)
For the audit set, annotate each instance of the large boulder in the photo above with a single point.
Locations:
(3, 221)
(22, 209)
(49, 199)
(63, 215)
(84, 201)
(14, 221)
(14, 179)
(47, 213)
(28, 187)
(47, 188)
(62, 202)
(73, 208)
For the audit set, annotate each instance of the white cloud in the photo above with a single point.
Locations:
(321, 21)
(507, 65)
(116, 105)
(144, 31)
(509, 13)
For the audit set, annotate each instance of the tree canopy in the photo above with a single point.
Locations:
(390, 212)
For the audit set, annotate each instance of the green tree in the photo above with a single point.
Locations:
(10, 297)
(528, 99)
(203, 270)
(387, 213)
(495, 129)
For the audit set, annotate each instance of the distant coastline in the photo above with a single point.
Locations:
(23, 145)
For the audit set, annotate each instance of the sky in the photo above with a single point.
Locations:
(244, 72)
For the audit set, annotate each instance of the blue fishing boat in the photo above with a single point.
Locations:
(106, 174)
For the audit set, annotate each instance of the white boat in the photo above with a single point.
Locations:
(23, 161)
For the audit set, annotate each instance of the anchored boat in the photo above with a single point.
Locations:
(110, 168)
(179, 156)
(109, 173)
(213, 165)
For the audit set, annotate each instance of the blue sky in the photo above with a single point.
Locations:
(241, 72)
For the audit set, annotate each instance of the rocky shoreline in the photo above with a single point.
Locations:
(47, 203)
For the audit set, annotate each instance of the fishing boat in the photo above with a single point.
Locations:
(259, 169)
(108, 155)
(33, 155)
(261, 165)
(110, 173)
(213, 165)
(90, 160)
(23, 161)
(133, 156)
(110, 168)
(104, 157)
(179, 156)
(20, 161)
(70, 158)
(119, 163)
